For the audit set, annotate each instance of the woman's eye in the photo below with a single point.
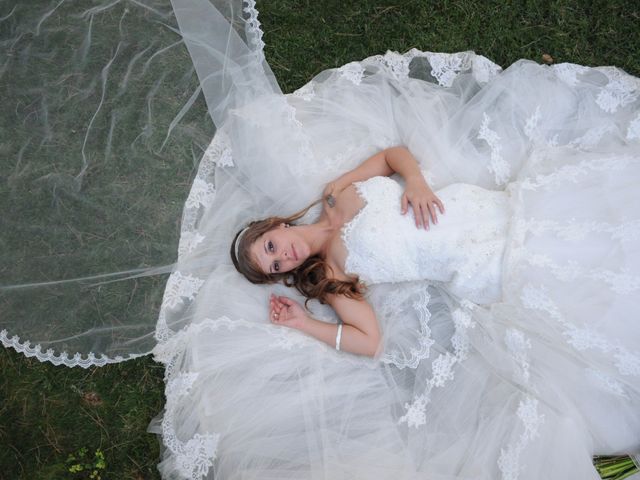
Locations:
(276, 267)
(270, 246)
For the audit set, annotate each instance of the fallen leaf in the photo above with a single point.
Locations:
(92, 399)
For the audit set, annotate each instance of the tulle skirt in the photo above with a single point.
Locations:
(527, 388)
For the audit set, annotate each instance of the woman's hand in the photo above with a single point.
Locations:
(329, 193)
(423, 200)
(329, 189)
(286, 312)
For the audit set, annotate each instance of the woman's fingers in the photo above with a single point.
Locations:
(417, 213)
(286, 301)
(432, 212)
(273, 304)
(404, 203)
(426, 211)
(421, 212)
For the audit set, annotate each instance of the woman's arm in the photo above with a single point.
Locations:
(360, 330)
(395, 160)
(384, 163)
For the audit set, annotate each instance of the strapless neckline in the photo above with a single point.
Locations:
(463, 252)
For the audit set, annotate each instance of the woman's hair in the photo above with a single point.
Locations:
(310, 278)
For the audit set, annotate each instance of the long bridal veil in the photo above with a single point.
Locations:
(104, 126)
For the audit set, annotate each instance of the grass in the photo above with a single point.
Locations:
(48, 413)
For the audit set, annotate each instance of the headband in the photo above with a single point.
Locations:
(238, 238)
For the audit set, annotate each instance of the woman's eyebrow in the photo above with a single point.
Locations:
(264, 245)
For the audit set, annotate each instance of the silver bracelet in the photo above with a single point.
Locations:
(339, 337)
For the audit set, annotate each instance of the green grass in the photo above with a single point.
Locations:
(48, 413)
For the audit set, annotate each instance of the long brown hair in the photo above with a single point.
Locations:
(310, 278)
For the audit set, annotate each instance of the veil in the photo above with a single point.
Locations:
(104, 124)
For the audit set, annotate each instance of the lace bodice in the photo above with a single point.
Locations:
(463, 251)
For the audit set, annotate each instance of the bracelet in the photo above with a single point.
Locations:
(338, 337)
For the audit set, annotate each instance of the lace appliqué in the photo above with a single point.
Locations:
(484, 70)
(189, 241)
(203, 191)
(200, 198)
(568, 72)
(202, 194)
(252, 28)
(394, 63)
(219, 150)
(445, 67)
(606, 383)
(621, 90)
(180, 287)
(196, 456)
(531, 125)
(498, 166)
(581, 338)
(633, 132)
(299, 134)
(592, 137)
(519, 347)
(306, 92)
(572, 173)
(353, 72)
(531, 420)
(443, 367)
(62, 358)
(620, 282)
(424, 341)
(573, 230)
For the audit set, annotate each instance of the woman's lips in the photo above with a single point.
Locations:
(295, 255)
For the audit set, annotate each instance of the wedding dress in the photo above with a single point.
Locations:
(510, 349)
(509, 334)
(463, 253)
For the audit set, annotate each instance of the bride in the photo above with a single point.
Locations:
(269, 250)
(315, 259)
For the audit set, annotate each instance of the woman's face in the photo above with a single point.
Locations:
(279, 250)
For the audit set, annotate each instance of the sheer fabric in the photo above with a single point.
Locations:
(103, 122)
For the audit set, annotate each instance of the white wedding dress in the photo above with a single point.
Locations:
(510, 341)
(462, 253)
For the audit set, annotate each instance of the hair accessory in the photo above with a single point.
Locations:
(339, 337)
(238, 238)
